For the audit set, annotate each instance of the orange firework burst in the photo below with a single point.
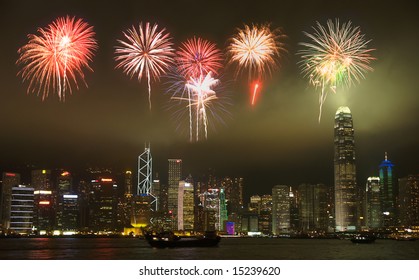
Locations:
(257, 49)
(54, 60)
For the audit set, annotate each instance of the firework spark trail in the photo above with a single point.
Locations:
(55, 58)
(148, 52)
(257, 49)
(200, 95)
(254, 93)
(337, 55)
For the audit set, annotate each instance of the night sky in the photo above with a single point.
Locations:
(277, 142)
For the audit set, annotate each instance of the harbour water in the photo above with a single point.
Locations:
(229, 249)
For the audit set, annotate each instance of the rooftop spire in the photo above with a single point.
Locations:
(385, 156)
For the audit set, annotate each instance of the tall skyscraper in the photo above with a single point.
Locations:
(67, 204)
(9, 181)
(389, 193)
(103, 204)
(233, 188)
(128, 184)
(265, 214)
(374, 213)
(346, 202)
(281, 209)
(175, 174)
(185, 213)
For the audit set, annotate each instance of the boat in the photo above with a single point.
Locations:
(170, 240)
(363, 239)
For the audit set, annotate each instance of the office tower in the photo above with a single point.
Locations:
(68, 213)
(103, 205)
(41, 180)
(9, 180)
(346, 201)
(265, 214)
(223, 210)
(125, 203)
(374, 213)
(84, 193)
(175, 174)
(185, 212)
(128, 184)
(44, 212)
(233, 188)
(21, 210)
(44, 201)
(294, 210)
(67, 204)
(281, 209)
(157, 192)
(313, 207)
(409, 201)
(210, 201)
(389, 193)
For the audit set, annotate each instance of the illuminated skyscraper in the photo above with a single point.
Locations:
(67, 207)
(185, 206)
(389, 193)
(44, 201)
(103, 205)
(346, 203)
(128, 184)
(281, 209)
(233, 188)
(175, 174)
(265, 214)
(374, 213)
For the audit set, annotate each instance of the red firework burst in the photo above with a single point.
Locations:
(54, 59)
(198, 57)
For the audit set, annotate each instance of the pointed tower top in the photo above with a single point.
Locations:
(385, 156)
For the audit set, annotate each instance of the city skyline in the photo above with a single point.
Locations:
(279, 141)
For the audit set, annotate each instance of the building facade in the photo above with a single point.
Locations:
(174, 176)
(374, 213)
(346, 200)
(281, 209)
(389, 192)
(9, 180)
(21, 210)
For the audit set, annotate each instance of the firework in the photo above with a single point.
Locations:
(54, 59)
(204, 106)
(336, 56)
(257, 50)
(198, 57)
(255, 91)
(147, 51)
